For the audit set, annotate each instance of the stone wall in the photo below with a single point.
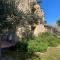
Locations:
(24, 5)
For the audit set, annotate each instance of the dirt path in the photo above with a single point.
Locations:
(53, 53)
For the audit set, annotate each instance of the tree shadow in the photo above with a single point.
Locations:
(19, 55)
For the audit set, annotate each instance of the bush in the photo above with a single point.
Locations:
(37, 46)
(21, 46)
(53, 41)
(41, 43)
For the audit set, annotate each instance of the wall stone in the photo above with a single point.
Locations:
(24, 5)
(39, 29)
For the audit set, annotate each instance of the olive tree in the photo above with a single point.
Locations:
(9, 15)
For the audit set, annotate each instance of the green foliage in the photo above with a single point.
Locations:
(22, 47)
(7, 14)
(58, 22)
(42, 42)
(10, 17)
(50, 39)
(37, 46)
(53, 41)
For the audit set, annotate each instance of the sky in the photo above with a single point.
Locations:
(52, 10)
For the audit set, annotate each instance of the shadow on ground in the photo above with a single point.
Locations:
(14, 53)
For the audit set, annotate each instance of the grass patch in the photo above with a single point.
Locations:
(37, 46)
(42, 42)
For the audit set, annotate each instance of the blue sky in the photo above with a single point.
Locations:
(52, 10)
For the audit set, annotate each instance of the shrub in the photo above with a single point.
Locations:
(41, 43)
(53, 41)
(21, 46)
(37, 46)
